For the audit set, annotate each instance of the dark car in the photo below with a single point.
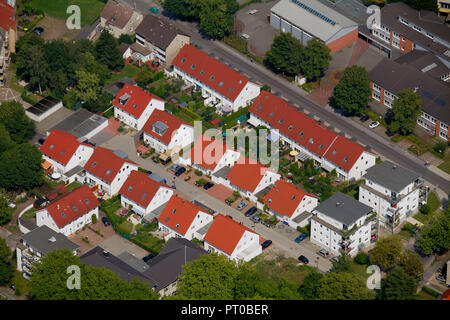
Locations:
(38, 30)
(301, 237)
(266, 244)
(303, 259)
(250, 211)
(364, 118)
(148, 257)
(148, 172)
(41, 141)
(208, 185)
(105, 221)
(12, 286)
(180, 171)
(155, 160)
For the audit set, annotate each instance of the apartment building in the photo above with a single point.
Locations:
(119, 19)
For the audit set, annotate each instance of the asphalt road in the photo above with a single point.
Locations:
(297, 96)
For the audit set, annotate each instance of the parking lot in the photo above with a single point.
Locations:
(257, 26)
(116, 245)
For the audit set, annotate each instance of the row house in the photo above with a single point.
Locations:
(163, 132)
(406, 29)
(342, 224)
(71, 212)
(310, 138)
(64, 152)
(134, 105)
(231, 238)
(390, 77)
(392, 191)
(290, 204)
(142, 194)
(119, 19)
(221, 86)
(107, 170)
(36, 244)
(183, 219)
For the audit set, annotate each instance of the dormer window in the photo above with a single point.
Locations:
(108, 172)
(311, 140)
(94, 164)
(293, 197)
(177, 225)
(124, 99)
(220, 83)
(183, 60)
(202, 72)
(211, 78)
(174, 210)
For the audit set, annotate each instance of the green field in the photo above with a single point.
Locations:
(445, 166)
(90, 9)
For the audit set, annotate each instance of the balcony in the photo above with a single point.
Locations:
(345, 250)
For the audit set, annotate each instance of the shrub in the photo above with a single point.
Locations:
(431, 292)
(425, 209)
(362, 258)
(94, 219)
(440, 146)
(198, 173)
(120, 129)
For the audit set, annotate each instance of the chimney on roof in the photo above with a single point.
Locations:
(394, 167)
(52, 239)
(338, 204)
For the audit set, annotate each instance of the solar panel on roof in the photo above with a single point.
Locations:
(314, 12)
(429, 95)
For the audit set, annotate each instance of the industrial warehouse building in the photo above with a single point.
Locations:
(306, 19)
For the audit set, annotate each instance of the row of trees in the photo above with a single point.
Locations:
(6, 266)
(352, 95)
(216, 17)
(288, 56)
(57, 65)
(435, 236)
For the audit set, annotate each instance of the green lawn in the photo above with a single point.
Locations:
(21, 283)
(90, 9)
(73, 186)
(425, 296)
(127, 71)
(445, 166)
(30, 214)
(433, 202)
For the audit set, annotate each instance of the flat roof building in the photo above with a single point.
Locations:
(44, 108)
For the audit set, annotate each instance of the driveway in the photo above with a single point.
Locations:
(117, 244)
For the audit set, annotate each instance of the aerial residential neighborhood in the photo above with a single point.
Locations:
(224, 150)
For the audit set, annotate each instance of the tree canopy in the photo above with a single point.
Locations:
(107, 52)
(343, 286)
(352, 93)
(412, 264)
(6, 267)
(15, 121)
(398, 285)
(405, 111)
(435, 236)
(386, 252)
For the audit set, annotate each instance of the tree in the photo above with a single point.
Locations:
(398, 285)
(216, 24)
(405, 110)
(386, 252)
(429, 5)
(14, 119)
(6, 267)
(308, 289)
(107, 52)
(425, 209)
(316, 59)
(209, 278)
(5, 139)
(177, 7)
(285, 55)
(249, 284)
(352, 93)
(88, 87)
(343, 264)
(20, 168)
(5, 211)
(362, 258)
(412, 264)
(343, 286)
(435, 237)
(125, 38)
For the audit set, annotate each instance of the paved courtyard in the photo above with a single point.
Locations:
(117, 244)
(93, 237)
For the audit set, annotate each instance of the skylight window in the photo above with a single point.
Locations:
(311, 140)
(231, 90)
(130, 188)
(321, 146)
(271, 114)
(280, 121)
(345, 159)
(290, 127)
(174, 210)
(52, 146)
(334, 152)
(86, 201)
(183, 60)
(63, 215)
(75, 208)
(301, 134)
(193, 66)
(202, 72)
(260, 107)
(220, 83)
(94, 164)
(108, 172)
(293, 197)
(62, 152)
(167, 219)
(135, 106)
(177, 225)
(211, 78)
(144, 196)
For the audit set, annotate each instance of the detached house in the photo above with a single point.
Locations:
(119, 19)
(392, 191)
(143, 194)
(71, 212)
(163, 131)
(342, 224)
(250, 178)
(222, 87)
(182, 219)
(107, 170)
(291, 204)
(311, 139)
(232, 239)
(157, 39)
(64, 152)
(134, 105)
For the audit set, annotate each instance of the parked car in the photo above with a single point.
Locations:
(148, 257)
(255, 219)
(12, 286)
(440, 277)
(334, 259)
(374, 124)
(41, 141)
(148, 172)
(180, 171)
(323, 253)
(301, 237)
(155, 160)
(208, 185)
(175, 167)
(38, 30)
(250, 211)
(241, 205)
(303, 259)
(105, 221)
(266, 244)
(364, 118)
(264, 222)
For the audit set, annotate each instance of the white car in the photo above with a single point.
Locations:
(374, 124)
(253, 11)
(245, 36)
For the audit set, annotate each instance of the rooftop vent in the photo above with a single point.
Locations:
(52, 239)
(124, 98)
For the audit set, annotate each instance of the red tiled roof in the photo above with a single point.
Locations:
(285, 198)
(60, 146)
(178, 214)
(138, 101)
(246, 175)
(207, 151)
(173, 123)
(305, 131)
(224, 78)
(140, 188)
(72, 206)
(7, 16)
(104, 164)
(225, 233)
